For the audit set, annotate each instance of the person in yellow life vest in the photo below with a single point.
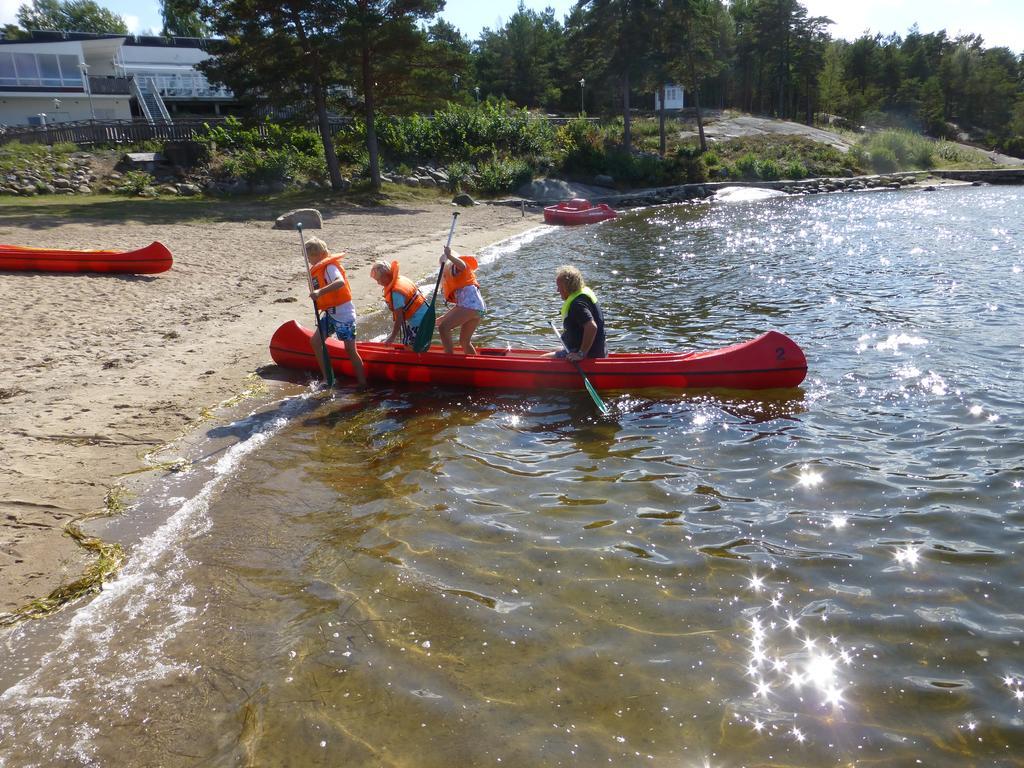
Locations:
(582, 319)
(404, 299)
(459, 286)
(333, 296)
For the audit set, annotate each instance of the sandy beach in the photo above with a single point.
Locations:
(100, 370)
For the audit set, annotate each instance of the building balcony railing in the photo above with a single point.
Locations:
(189, 87)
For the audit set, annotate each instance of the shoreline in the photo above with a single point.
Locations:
(102, 370)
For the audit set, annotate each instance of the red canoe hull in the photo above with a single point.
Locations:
(578, 212)
(149, 260)
(770, 361)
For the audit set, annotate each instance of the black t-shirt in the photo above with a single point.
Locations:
(582, 311)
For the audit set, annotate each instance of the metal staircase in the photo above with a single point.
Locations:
(153, 108)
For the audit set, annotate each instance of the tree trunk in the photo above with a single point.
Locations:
(369, 116)
(627, 133)
(323, 122)
(320, 101)
(661, 120)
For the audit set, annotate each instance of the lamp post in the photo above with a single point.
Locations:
(456, 80)
(85, 81)
(476, 90)
(583, 82)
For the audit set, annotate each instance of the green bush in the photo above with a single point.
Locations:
(133, 182)
(924, 156)
(859, 156)
(746, 166)
(769, 170)
(260, 166)
(457, 132)
(580, 147)
(460, 176)
(498, 176)
(795, 170)
(689, 166)
(884, 160)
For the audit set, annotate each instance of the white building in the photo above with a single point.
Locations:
(60, 77)
(674, 97)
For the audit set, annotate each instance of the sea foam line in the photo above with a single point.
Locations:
(151, 582)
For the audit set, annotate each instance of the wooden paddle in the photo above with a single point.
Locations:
(586, 382)
(425, 332)
(328, 370)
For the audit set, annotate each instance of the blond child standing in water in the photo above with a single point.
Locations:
(333, 297)
(460, 287)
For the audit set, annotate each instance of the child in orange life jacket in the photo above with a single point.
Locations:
(404, 299)
(459, 285)
(333, 296)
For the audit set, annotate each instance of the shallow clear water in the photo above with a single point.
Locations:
(821, 576)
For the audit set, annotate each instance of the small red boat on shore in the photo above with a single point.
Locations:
(578, 211)
(770, 361)
(149, 260)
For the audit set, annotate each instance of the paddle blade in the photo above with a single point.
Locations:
(323, 355)
(425, 333)
(594, 396)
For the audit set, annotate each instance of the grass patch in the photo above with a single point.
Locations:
(898, 150)
(773, 157)
(16, 156)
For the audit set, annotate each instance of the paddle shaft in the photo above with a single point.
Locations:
(586, 382)
(423, 337)
(328, 369)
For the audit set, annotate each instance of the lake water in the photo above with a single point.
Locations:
(412, 577)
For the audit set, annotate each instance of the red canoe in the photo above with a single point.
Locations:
(577, 211)
(770, 361)
(153, 258)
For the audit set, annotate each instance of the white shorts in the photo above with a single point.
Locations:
(469, 297)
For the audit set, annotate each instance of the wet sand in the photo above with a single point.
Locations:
(100, 370)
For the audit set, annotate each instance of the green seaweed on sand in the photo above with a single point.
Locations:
(108, 558)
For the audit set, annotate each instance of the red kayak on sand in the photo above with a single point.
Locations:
(770, 361)
(153, 258)
(578, 211)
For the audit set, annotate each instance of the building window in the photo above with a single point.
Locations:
(47, 70)
(26, 68)
(70, 73)
(7, 74)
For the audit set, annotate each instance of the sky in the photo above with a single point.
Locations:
(999, 22)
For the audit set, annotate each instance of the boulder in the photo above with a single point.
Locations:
(309, 218)
(463, 199)
(604, 180)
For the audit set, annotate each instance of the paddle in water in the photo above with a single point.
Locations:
(425, 332)
(322, 354)
(586, 382)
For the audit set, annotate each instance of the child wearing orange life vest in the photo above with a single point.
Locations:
(459, 286)
(333, 297)
(404, 299)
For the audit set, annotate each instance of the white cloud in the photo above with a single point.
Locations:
(132, 22)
